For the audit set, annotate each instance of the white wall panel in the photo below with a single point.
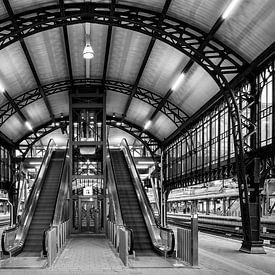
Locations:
(199, 13)
(127, 52)
(77, 42)
(48, 54)
(196, 89)
(115, 103)
(162, 126)
(164, 65)
(250, 29)
(14, 128)
(15, 72)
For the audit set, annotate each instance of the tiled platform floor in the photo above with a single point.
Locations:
(217, 255)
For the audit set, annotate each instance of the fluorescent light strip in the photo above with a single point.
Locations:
(147, 124)
(230, 8)
(28, 125)
(35, 162)
(141, 166)
(146, 162)
(177, 83)
(2, 89)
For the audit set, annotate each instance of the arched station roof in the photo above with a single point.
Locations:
(141, 48)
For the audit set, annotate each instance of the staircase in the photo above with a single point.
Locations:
(129, 204)
(45, 206)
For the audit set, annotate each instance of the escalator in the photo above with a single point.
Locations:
(45, 207)
(44, 210)
(129, 204)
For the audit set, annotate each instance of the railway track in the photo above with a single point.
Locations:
(228, 226)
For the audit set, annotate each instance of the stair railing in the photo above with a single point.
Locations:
(114, 199)
(163, 239)
(13, 239)
(63, 189)
(58, 216)
(22, 183)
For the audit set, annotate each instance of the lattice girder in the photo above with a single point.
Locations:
(149, 141)
(174, 32)
(170, 110)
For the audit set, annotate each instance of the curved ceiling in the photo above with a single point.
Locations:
(141, 48)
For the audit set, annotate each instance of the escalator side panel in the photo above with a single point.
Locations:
(45, 207)
(130, 208)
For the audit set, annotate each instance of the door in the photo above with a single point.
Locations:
(88, 216)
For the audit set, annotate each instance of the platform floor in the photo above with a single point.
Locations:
(217, 255)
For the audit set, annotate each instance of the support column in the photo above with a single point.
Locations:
(253, 244)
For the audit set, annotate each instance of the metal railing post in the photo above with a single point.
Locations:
(194, 240)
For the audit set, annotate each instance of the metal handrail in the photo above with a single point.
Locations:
(23, 226)
(116, 201)
(63, 188)
(152, 226)
(114, 193)
(18, 179)
(131, 246)
(60, 198)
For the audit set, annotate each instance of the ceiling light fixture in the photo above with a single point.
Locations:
(230, 8)
(177, 83)
(147, 124)
(28, 125)
(88, 52)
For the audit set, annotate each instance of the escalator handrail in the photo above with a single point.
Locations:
(112, 177)
(18, 179)
(131, 232)
(62, 191)
(152, 226)
(60, 199)
(118, 214)
(23, 225)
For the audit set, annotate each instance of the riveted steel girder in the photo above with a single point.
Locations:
(216, 58)
(148, 140)
(170, 110)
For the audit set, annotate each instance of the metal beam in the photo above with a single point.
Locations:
(148, 140)
(41, 131)
(190, 63)
(67, 45)
(108, 44)
(170, 110)
(14, 105)
(247, 70)
(30, 139)
(178, 34)
(28, 57)
(146, 57)
(6, 142)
